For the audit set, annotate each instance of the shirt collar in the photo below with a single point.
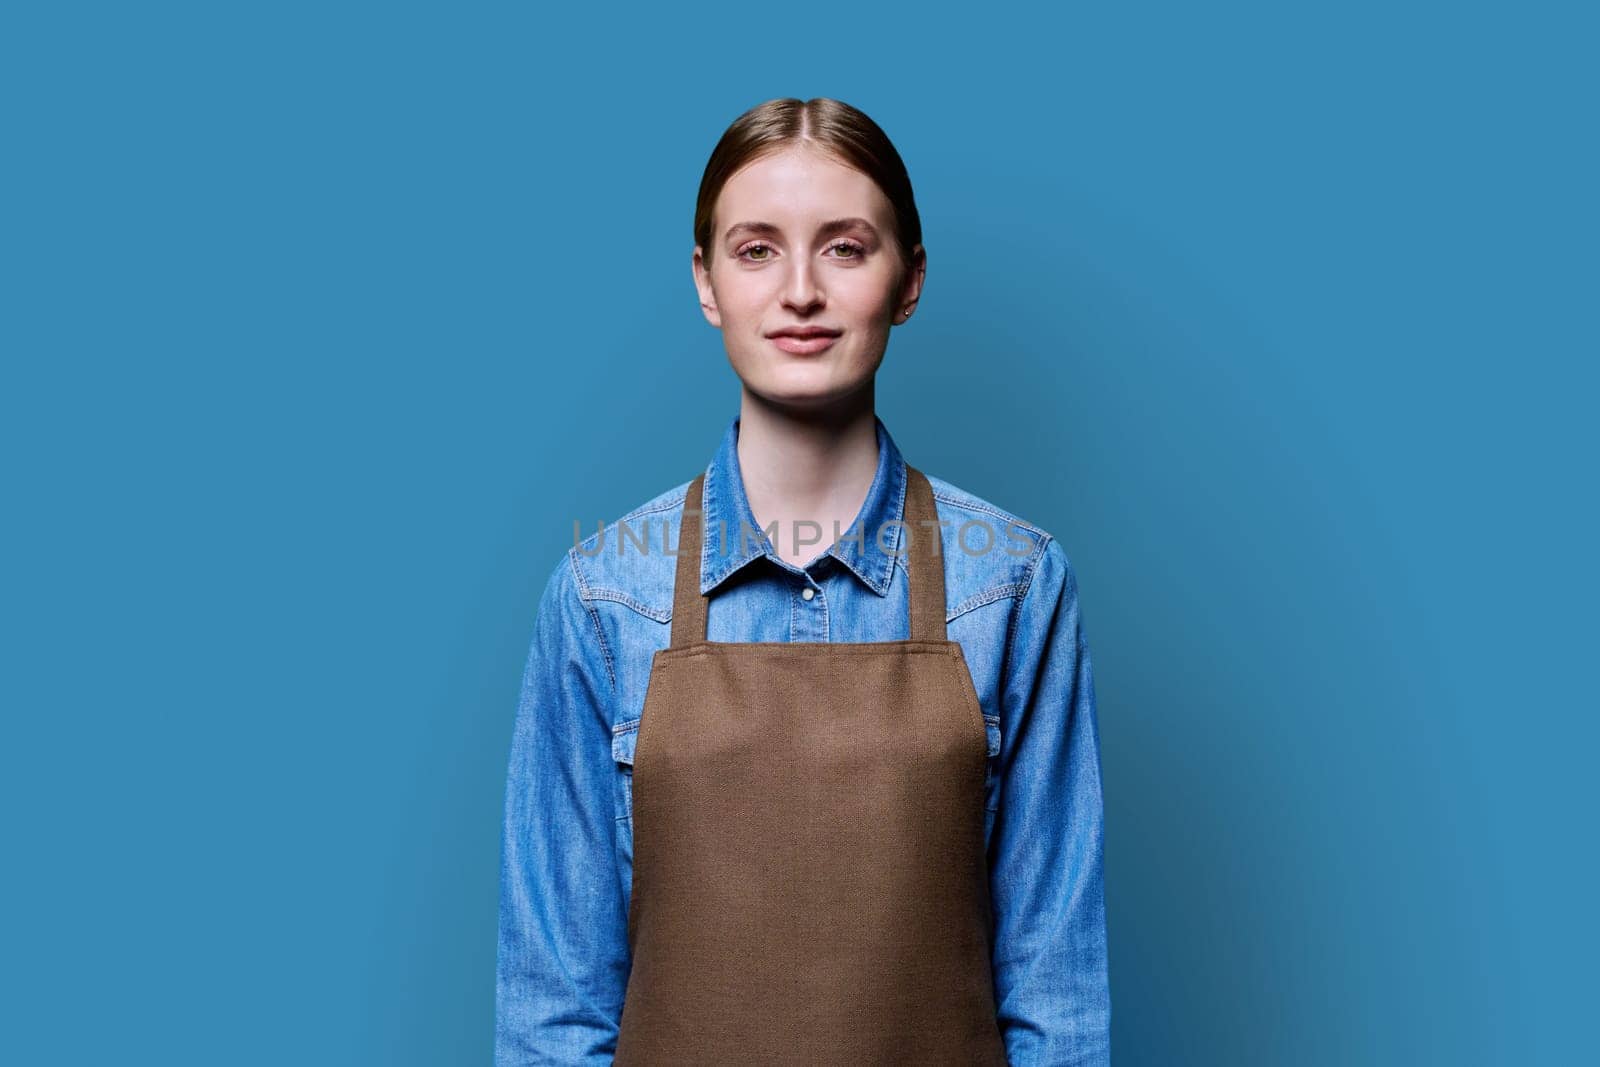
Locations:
(727, 507)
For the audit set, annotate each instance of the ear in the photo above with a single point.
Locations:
(702, 283)
(911, 288)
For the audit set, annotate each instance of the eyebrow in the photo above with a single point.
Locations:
(828, 229)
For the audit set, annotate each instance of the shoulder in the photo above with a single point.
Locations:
(631, 559)
(990, 553)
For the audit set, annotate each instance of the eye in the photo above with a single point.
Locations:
(847, 250)
(755, 246)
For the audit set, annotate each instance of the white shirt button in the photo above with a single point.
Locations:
(807, 593)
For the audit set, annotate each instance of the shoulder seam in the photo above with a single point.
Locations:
(594, 617)
(676, 498)
(648, 508)
(972, 504)
(1016, 606)
(1033, 564)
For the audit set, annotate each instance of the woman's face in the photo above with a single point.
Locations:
(803, 244)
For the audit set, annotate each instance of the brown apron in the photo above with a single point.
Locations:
(809, 879)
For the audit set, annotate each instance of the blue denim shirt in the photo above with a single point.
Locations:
(563, 957)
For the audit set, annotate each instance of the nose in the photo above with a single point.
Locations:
(801, 291)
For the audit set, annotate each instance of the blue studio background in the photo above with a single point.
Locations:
(323, 322)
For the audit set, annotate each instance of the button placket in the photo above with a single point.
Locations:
(810, 621)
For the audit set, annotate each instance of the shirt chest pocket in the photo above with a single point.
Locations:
(623, 738)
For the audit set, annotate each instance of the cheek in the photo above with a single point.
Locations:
(741, 292)
(750, 304)
(868, 302)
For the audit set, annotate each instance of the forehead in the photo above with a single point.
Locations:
(796, 187)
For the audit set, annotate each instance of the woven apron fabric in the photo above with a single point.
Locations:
(809, 879)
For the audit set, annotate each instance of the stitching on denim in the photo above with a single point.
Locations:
(974, 601)
(975, 505)
(594, 617)
(898, 508)
(1033, 564)
(708, 500)
(988, 596)
(1041, 535)
(725, 564)
(625, 769)
(678, 492)
(619, 597)
(794, 616)
(677, 497)
(744, 550)
(1016, 611)
(991, 763)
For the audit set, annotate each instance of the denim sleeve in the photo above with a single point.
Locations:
(1045, 870)
(562, 958)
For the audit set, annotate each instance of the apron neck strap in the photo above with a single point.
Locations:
(922, 562)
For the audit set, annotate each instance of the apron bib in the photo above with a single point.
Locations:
(809, 878)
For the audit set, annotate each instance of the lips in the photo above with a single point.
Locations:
(804, 340)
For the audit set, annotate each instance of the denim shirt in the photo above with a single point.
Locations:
(1011, 601)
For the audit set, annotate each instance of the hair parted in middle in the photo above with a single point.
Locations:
(829, 125)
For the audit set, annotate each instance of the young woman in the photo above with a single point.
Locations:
(770, 804)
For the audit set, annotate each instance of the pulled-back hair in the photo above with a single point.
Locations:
(829, 125)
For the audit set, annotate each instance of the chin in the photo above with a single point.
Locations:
(804, 391)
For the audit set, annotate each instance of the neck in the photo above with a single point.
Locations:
(807, 467)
